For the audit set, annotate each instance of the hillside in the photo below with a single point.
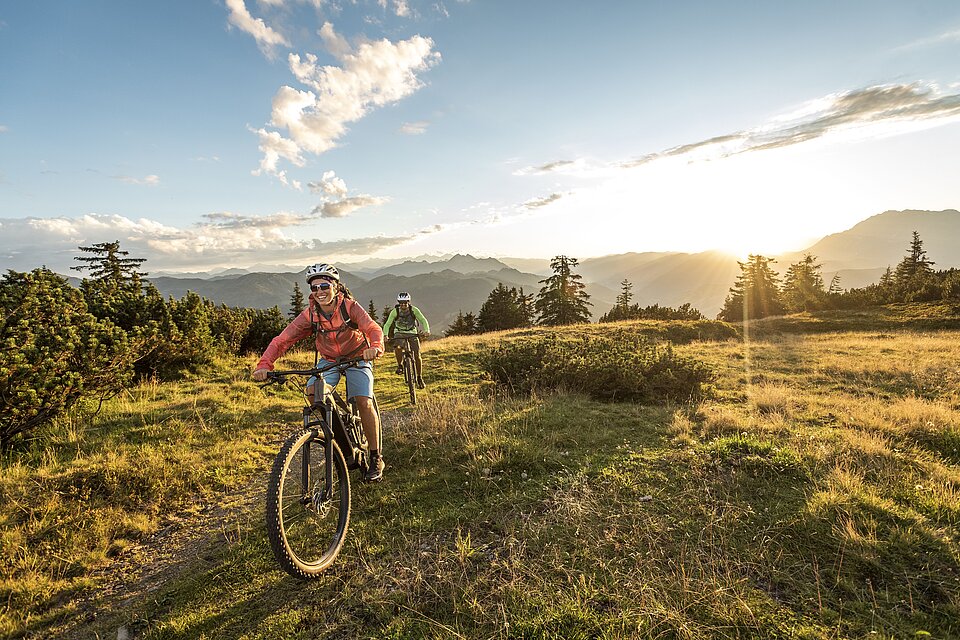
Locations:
(811, 494)
(456, 283)
(882, 240)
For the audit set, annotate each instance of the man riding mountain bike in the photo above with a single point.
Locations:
(405, 318)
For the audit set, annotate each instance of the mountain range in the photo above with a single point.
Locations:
(444, 286)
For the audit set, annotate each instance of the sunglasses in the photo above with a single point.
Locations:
(323, 286)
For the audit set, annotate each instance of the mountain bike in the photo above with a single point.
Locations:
(407, 362)
(308, 494)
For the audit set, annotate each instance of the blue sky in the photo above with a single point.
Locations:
(217, 133)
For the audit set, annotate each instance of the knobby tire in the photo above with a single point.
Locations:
(306, 538)
(409, 372)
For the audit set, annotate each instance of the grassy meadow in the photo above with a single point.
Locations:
(812, 492)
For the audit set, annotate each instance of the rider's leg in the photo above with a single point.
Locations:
(370, 421)
(419, 361)
(360, 388)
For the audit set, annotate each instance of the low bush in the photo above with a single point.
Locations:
(53, 353)
(628, 368)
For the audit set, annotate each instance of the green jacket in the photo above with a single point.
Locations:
(406, 323)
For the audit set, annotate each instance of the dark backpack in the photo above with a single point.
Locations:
(347, 320)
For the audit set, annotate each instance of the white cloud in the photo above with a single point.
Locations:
(372, 75)
(414, 128)
(274, 146)
(266, 37)
(147, 181)
(329, 184)
(346, 206)
(401, 8)
(220, 239)
(3, 128)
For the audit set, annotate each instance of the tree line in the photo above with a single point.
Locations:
(562, 300)
(760, 292)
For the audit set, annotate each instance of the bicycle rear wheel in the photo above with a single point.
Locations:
(410, 375)
(306, 520)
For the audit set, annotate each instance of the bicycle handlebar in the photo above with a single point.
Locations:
(280, 376)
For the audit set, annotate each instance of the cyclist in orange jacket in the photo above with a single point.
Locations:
(343, 329)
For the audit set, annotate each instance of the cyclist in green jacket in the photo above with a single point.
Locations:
(405, 318)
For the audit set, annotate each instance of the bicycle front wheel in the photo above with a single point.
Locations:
(410, 374)
(307, 519)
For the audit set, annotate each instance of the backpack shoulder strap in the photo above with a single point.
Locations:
(347, 320)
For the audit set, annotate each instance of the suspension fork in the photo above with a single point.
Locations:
(327, 435)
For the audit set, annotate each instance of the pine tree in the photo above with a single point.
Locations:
(463, 325)
(372, 310)
(562, 300)
(623, 300)
(913, 276)
(109, 267)
(296, 301)
(803, 286)
(835, 288)
(755, 294)
(505, 309)
(914, 263)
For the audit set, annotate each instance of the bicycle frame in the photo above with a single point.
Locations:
(336, 416)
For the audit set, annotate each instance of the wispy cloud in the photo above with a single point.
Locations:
(872, 112)
(220, 238)
(536, 203)
(400, 8)
(863, 113)
(946, 37)
(414, 128)
(371, 75)
(267, 39)
(147, 181)
(3, 128)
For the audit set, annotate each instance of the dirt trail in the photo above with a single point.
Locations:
(187, 540)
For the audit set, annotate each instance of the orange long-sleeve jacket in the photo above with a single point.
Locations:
(335, 339)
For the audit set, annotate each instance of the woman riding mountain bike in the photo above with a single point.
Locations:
(343, 329)
(404, 318)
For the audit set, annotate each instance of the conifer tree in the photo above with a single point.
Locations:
(755, 294)
(562, 300)
(296, 301)
(463, 325)
(372, 310)
(109, 267)
(505, 309)
(626, 288)
(803, 286)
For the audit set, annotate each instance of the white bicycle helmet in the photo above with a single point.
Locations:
(403, 296)
(322, 269)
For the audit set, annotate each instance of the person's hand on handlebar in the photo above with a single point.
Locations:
(372, 353)
(260, 374)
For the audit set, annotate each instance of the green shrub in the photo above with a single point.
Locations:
(53, 352)
(629, 368)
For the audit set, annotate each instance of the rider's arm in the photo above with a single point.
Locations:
(390, 320)
(297, 330)
(424, 325)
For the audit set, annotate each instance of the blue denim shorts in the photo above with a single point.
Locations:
(359, 379)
